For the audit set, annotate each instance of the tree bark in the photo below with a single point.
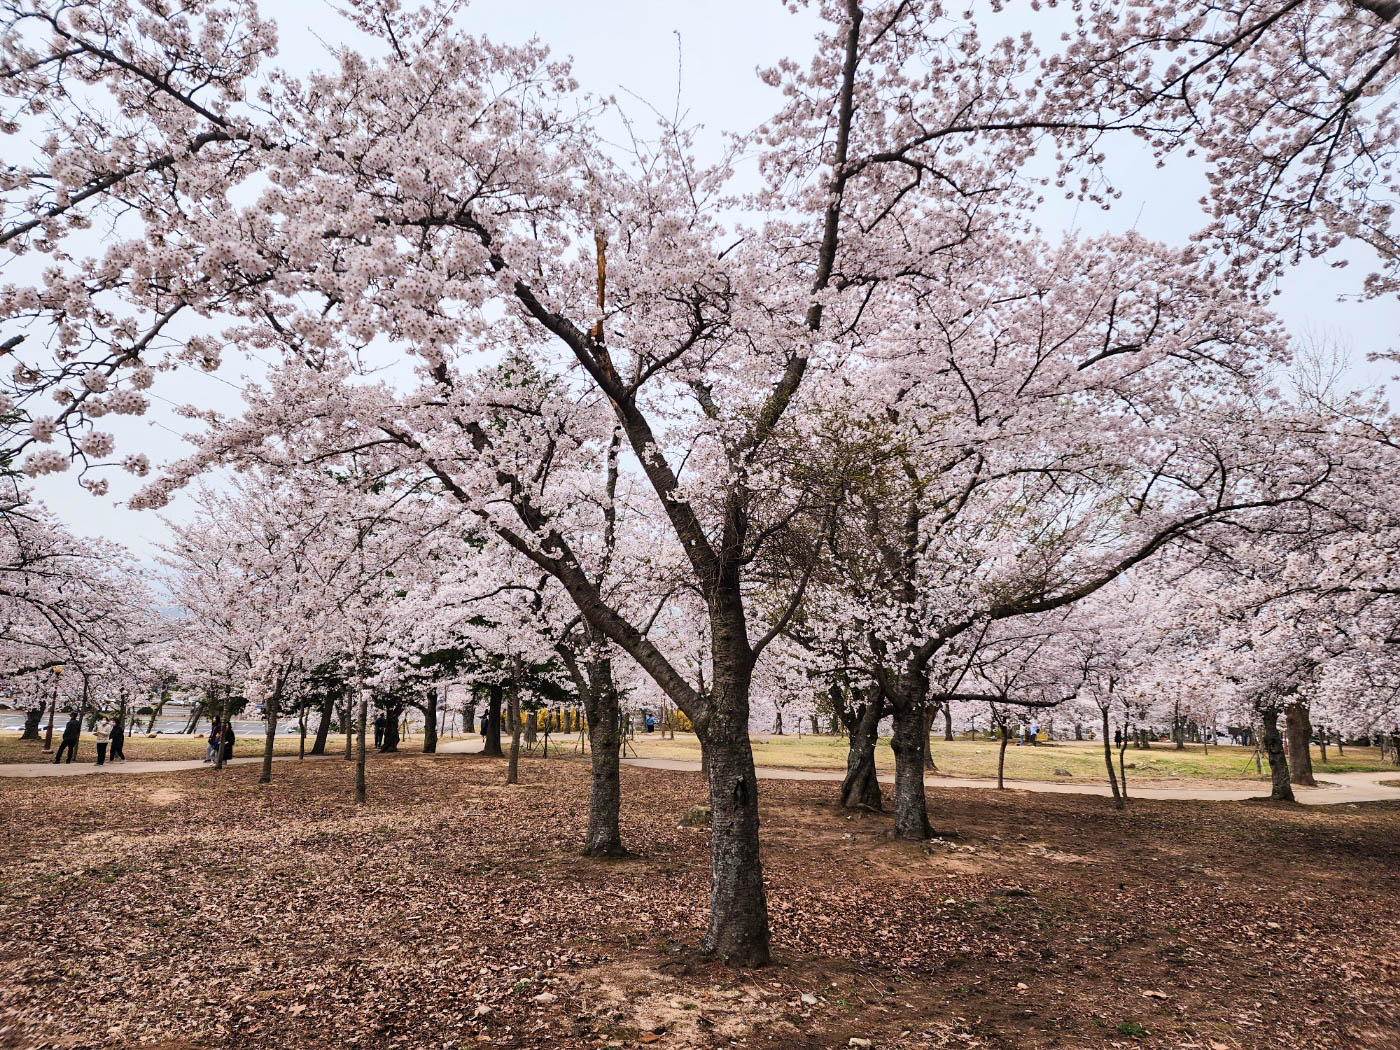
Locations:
(430, 723)
(513, 770)
(492, 719)
(910, 807)
(269, 736)
(1001, 757)
(930, 716)
(604, 837)
(1272, 742)
(948, 721)
(32, 718)
(1299, 739)
(360, 749)
(738, 929)
(390, 745)
(1108, 761)
(861, 788)
(323, 727)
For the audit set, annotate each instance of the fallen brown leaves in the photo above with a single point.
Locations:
(201, 910)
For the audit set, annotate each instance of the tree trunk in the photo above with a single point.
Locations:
(930, 715)
(1272, 742)
(270, 736)
(777, 724)
(349, 722)
(1001, 757)
(469, 718)
(948, 721)
(1122, 765)
(301, 725)
(513, 770)
(390, 745)
(32, 718)
(1299, 739)
(1108, 761)
(323, 727)
(738, 929)
(491, 718)
(861, 788)
(430, 720)
(360, 750)
(604, 837)
(910, 808)
(1322, 744)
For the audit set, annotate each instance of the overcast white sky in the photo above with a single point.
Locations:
(630, 46)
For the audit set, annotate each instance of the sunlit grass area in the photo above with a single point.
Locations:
(978, 758)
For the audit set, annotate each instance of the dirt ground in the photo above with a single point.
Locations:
(200, 910)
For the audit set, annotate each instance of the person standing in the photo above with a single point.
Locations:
(379, 725)
(118, 741)
(71, 732)
(104, 735)
(226, 740)
(213, 741)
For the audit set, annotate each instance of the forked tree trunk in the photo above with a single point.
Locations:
(491, 718)
(1272, 742)
(861, 788)
(1108, 761)
(910, 807)
(1299, 739)
(32, 718)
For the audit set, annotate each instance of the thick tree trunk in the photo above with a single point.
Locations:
(1108, 761)
(390, 744)
(948, 721)
(605, 741)
(469, 719)
(861, 788)
(491, 719)
(32, 718)
(738, 930)
(1272, 742)
(430, 723)
(269, 737)
(323, 727)
(360, 750)
(1299, 738)
(910, 808)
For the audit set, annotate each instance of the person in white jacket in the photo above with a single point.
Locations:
(104, 734)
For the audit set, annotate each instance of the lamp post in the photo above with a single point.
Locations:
(53, 706)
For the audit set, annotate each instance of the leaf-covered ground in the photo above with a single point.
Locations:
(202, 910)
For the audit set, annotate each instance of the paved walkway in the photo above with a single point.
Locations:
(1335, 788)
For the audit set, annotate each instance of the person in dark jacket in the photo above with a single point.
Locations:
(379, 725)
(71, 732)
(212, 752)
(118, 741)
(226, 740)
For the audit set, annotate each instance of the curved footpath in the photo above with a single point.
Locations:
(1335, 789)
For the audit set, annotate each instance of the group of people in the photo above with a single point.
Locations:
(109, 734)
(221, 738)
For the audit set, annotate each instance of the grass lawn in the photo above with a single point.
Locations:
(978, 758)
(189, 911)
